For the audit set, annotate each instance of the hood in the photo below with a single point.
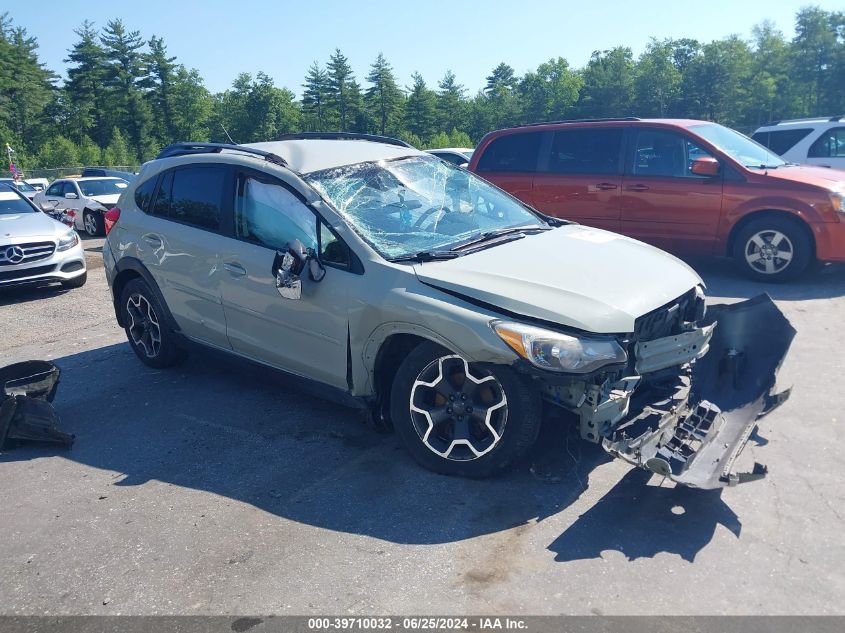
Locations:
(107, 199)
(824, 177)
(576, 276)
(23, 227)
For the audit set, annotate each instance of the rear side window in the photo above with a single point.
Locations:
(144, 193)
(192, 195)
(831, 144)
(512, 153)
(586, 151)
(781, 141)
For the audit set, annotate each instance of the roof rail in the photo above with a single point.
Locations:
(832, 119)
(625, 118)
(185, 149)
(342, 136)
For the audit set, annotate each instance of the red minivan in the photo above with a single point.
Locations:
(689, 187)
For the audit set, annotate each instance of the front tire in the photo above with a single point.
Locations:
(146, 327)
(462, 419)
(94, 223)
(774, 249)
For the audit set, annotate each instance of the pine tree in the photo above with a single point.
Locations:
(451, 103)
(383, 98)
(315, 98)
(159, 83)
(84, 86)
(421, 109)
(341, 82)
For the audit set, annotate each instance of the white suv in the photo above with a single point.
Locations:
(90, 198)
(819, 141)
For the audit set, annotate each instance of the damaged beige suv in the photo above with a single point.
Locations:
(452, 311)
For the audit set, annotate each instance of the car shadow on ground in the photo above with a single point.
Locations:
(30, 292)
(723, 279)
(233, 429)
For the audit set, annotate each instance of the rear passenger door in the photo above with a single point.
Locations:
(663, 202)
(580, 177)
(510, 162)
(180, 244)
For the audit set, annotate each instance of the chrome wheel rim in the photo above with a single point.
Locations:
(458, 412)
(90, 224)
(144, 329)
(769, 252)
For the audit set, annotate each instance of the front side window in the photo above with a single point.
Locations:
(831, 144)
(513, 153)
(407, 205)
(192, 195)
(666, 154)
(586, 151)
(269, 214)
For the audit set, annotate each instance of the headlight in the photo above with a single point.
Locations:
(68, 240)
(559, 352)
(837, 201)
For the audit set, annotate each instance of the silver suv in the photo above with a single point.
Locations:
(451, 310)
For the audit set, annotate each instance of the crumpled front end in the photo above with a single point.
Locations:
(692, 428)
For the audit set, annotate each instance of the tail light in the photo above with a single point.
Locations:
(111, 216)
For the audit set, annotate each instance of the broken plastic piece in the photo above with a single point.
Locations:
(25, 409)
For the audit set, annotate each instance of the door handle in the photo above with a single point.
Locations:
(152, 240)
(605, 186)
(636, 188)
(236, 270)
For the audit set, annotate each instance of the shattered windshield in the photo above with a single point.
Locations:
(419, 203)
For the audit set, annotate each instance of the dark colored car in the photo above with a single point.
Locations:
(689, 187)
(100, 172)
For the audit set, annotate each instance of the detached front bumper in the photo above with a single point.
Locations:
(693, 428)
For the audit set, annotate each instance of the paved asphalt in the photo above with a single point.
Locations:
(217, 488)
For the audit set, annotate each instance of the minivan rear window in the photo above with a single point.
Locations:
(512, 153)
(586, 151)
(781, 141)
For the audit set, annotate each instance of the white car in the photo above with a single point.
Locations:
(40, 184)
(819, 141)
(90, 198)
(459, 156)
(34, 248)
(25, 188)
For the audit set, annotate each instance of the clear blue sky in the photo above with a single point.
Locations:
(221, 39)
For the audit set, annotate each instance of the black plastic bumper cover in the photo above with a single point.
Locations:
(28, 389)
(695, 432)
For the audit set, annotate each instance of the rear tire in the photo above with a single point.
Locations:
(146, 326)
(462, 419)
(774, 249)
(94, 223)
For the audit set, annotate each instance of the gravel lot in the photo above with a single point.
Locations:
(216, 488)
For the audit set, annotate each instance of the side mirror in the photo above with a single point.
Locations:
(71, 196)
(289, 266)
(705, 166)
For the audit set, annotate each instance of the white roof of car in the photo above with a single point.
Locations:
(460, 150)
(309, 155)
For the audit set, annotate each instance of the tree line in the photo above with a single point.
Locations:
(124, 97)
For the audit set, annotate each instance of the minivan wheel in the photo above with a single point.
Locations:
(145, 326)
(94, 223)
(773, 249)
(464, 419)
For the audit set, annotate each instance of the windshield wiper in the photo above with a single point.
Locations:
(516, 232)
(425, 256)
(763, 166)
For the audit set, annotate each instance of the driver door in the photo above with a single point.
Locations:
(306, 336)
